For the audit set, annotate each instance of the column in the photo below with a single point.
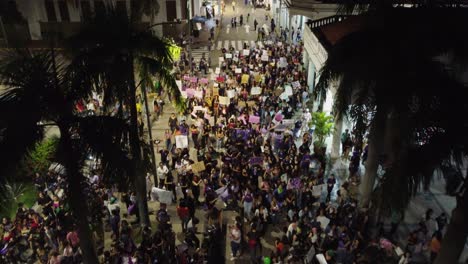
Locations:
(311, 75)
(336, 141)
(305, 61)
(179, 9)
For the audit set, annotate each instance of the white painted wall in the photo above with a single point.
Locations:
(34, 12)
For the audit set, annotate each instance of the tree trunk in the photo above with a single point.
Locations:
(457, 231)
(76, 199)
(376, 137)
(139, 176)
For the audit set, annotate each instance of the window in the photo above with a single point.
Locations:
(64, 14)
(50, 10)
(86, 10)
(99, 8)
(121, 7)
(171, 11)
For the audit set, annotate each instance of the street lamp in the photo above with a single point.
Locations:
(189, 16)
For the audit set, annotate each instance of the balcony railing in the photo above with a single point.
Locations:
(325, 21)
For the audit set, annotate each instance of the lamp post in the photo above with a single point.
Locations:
(189, 43)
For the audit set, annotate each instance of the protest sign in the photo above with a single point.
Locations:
(217, 70)
(278, 91)
(238, 70)
(198, 167)
(321, 259)
(228, 55)
(199, 108)
(193, 154)
(284, 96)
(256, 91)
(246, 52)
(245, 78)
(193, 79)
(295, 183)
(296, 84)
(235, 58)
(288, 90)
(161, 195)
(288, 122)
(220, 79)
(221, 59)
(318, 189)
(251, 103)
(190, 93)
(256, 160)
(258, 78)
(224, 100)
(208, 101)
(254, 119)
(181, 141)
(264, 57)
(198, 94)
(231, 93)
(283, 63)
(241, 104)
(204, 80)
(215, 91)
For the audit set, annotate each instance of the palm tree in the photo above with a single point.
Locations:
(391, 66)
(40, 89)
(113, 48)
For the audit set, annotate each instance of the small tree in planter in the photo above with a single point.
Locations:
(323, 127)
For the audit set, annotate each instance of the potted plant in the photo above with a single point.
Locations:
(322, 124)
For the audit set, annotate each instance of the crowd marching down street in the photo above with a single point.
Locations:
(243, 147)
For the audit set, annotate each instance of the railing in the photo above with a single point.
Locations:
(325, 21)
(59, 30)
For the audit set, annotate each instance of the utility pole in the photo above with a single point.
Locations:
(189, 42)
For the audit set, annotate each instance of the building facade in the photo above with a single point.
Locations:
(38, 20)
(319, 38)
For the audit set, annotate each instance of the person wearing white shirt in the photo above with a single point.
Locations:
(162, 171)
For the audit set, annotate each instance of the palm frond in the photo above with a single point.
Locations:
(149, 66)
(106, 138)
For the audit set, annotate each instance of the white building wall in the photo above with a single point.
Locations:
(317, 56)
(34, 12)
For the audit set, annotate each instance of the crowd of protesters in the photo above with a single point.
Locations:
(249, 124)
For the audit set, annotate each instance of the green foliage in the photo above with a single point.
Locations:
(39, 159)
(180, 106)
(12, 193)
(323, 126)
